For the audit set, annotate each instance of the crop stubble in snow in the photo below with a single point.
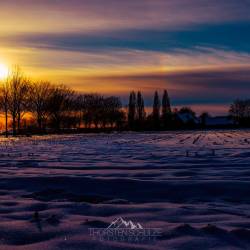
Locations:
(193, 185)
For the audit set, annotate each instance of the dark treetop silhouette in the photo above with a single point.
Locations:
(39, 107)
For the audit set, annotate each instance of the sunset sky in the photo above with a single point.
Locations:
(197, 49)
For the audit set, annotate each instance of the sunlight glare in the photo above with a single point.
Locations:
(3, 71)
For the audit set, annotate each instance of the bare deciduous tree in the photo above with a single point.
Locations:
(40, 94)
(240, 112)
(4, 103)
(18, 87)
(60, 103)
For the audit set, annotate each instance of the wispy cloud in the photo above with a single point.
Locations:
(231, 37)
(97, 15)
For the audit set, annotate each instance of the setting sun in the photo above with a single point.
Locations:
(3, 71)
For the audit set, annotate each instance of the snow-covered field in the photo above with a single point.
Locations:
(194, 186)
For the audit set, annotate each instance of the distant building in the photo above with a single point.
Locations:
(187, 119)
(218, 121)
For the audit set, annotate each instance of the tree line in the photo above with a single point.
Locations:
(161, 116)
(40, 106)
(240, 112)
(29, 106)
(54, 107)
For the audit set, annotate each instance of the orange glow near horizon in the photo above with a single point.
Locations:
(192, 78)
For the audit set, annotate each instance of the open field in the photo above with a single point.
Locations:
(194, 185)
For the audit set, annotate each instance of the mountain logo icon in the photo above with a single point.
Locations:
(121, 230)
(121, 223)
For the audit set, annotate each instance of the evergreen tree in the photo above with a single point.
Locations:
(166, 109)
(140, 109)
(156, 110)
(132, 110)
